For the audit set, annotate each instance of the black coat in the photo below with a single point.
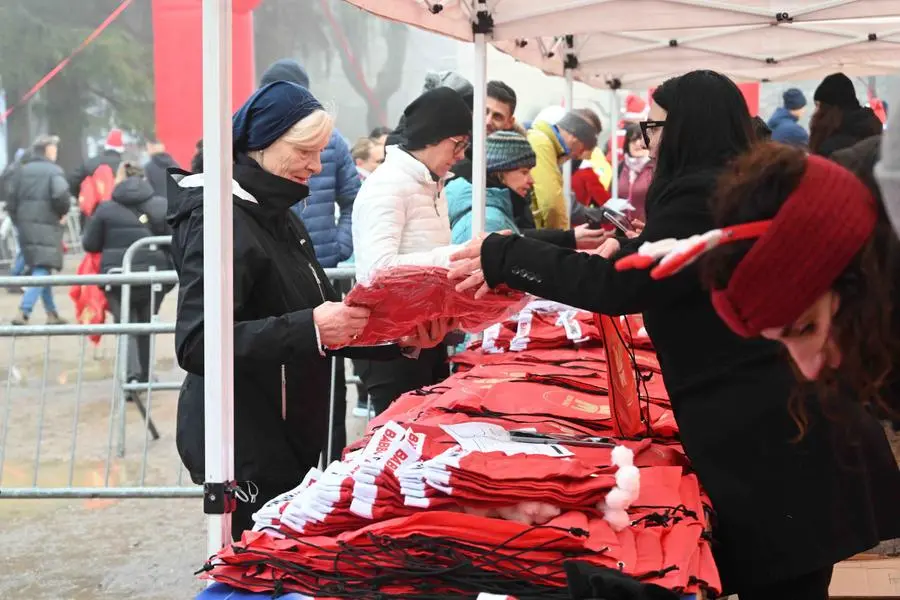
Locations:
(281, 378)
(107, 157)
(856, 125)
(134, 213)
(38, 198)
(783, 508)
(155, 170)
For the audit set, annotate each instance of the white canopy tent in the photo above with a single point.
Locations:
(640, 43)
(593, 40)
(514, 19)
(746, 53)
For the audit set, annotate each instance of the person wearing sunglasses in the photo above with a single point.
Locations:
(400, 217)
(789, 503)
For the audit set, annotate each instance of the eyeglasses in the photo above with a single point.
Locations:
(462, 144)
(646, 126)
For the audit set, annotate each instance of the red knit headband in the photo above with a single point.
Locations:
(820, 228)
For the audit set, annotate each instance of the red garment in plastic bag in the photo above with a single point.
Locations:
(401, 298)
(624, 402)
(90, 300)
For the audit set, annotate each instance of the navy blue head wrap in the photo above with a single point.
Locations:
(269, 113)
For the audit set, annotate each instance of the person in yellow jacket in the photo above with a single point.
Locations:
(571, 136)
(600, 165)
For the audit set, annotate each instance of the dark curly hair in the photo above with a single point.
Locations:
(754, 188)
(828, 120)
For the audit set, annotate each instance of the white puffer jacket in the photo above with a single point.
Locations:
(400, 218)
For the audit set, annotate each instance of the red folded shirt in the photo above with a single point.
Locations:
(402, 298)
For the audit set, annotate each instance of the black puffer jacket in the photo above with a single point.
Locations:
(134, 213)
(38, 198)
(784, 508)
(281, 379)
(156, 168)
(857, 124)
(107, 157)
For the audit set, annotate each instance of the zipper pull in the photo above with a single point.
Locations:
(283, 394)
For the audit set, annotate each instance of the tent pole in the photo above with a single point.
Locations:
(614, 141)
(567, 167)
(479, 159)
(218, 347)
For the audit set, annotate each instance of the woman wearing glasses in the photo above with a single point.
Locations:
(635, 172)
(400, 218)
(787, 506)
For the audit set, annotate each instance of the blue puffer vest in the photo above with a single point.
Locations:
(335, 187)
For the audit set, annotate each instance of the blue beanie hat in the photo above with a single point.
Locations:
(793, 99)
(508, 151)
(269, 113)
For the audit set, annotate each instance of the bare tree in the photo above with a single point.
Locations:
(320, 29)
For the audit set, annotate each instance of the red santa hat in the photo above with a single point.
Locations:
(115, 141)
(636, 108)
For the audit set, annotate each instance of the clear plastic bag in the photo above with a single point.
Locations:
(401, 298)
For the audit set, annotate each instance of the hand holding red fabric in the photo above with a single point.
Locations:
(402, 299)
(339, 324)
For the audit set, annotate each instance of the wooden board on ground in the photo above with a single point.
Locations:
(866, 576)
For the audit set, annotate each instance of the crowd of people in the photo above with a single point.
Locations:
(798, 468)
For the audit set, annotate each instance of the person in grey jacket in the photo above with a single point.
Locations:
(38, 201)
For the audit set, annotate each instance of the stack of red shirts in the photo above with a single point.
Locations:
(401, 298)
(361, 488)
(666, 550)
(488, 481)
(541, 325)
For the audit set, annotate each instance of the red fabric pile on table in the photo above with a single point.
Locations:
(490, 481)
(401, 298)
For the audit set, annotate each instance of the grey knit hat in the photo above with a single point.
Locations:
(507, 151)
(582, 129)
(452, 80)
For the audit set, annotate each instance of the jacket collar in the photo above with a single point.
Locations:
(271, 191)
(552, 134)
(256, 186)
(396, 158)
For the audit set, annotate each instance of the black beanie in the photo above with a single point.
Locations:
(837, 90)
(285, 70)
(434, 116)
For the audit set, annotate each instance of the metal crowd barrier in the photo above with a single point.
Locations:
(84, 465)
(9, 247)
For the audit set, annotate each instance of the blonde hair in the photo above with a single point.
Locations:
(128, 169)
(312, 131)
(362, 149)
(309, 133)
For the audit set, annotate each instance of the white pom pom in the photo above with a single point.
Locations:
(617, 519)
(618, 499)
(622, 456)
(629, 479)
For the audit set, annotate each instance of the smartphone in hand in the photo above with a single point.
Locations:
(618, 220)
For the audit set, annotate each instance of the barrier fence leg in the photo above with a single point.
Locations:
(4, 426)
(41, 413)
(113, 405)
(328, 456)
(120, 396)
(78, 390)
